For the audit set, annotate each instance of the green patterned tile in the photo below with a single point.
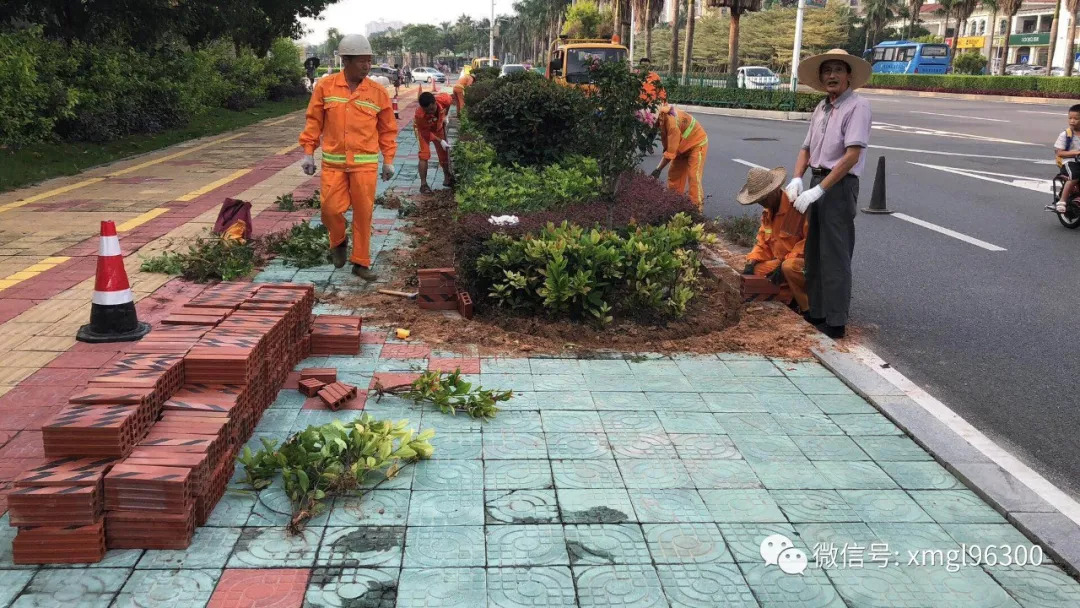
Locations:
(607, 506)
(669, 506)
(531, 587)
(440, 546)
(655, 368)
(232, 510)
(788, 403)
(742, 506)
(12, 583)
(210, 548)
(655, 474)
(843, 404)
(641, 445)
(722, 474)
(855, 475)
(521, 507)
(517, 475)
(795, 474)
(186, 587)
(506, 382)
(457, 446)
(865, 424)
(819, 536)
(84, 587)
(704, 447)
(902, 538)
(514, 446)
(558, 382)
(770, 385)
(505, 366)
(620, 383)
(892, 448)
(812, 385)
(753, 368)
(767, 448)
(525, 545)
(578, 446)
(813, 506)
(631, 422)
(629, 586)
(921, 475)
(775, 589)
(798, 368)
(721, 384)
(564, 400)
(749, 423)
(744, 540)
(606, 544)
(522, 401)
(686, 543)
(890, 506)
(1038, 586)
(693, 586)
(449, 475)
(372, 508)
(442, 588)
(690, 423)
(571, 422)
(368, 546)
(903, 586)
(703, 368)
(987, 534)
(733, 403)
(829, 448)
(352, 588)
(446, 423)
(452, 508)
(540, 366)
(606, 400)
(604, 366)
(586, 474)
(807, 424)
(667, 384)
(275, 548)
(273, 509)
(956, 507)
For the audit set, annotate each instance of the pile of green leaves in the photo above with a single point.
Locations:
(450, 393)
(208, 258)
(286, 202)
(321, 462)
(303, 246)
(594, 275)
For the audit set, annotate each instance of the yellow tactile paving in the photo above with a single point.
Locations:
(214, 184)
(141, 219)
(31, 271)
(47, 194)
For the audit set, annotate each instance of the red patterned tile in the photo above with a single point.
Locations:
(27, 444)
(270, 588)
(372, 338)
(391, 379)
(466, 366)
(25, 396)
(6, 436)
(52, 376)
(81, 360)
(404, 351)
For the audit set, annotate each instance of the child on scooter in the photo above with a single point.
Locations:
(1067, 149)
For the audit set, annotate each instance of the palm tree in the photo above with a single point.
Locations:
(1070, 48)
(673, 58)
(648, 14)
(964, 8)
(736, 8)
(916, 8)
(877, 14)
(1009, 8)
(1053, 36)
(947, 8)
(688, 52)
(993, 5)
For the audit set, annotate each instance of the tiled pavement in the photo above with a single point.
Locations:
(629, 481)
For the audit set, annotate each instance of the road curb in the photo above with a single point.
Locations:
(743, 113)
(1058, 535)
(967, 96)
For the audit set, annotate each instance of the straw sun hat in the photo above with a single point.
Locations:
(810, 69)
(759, 184)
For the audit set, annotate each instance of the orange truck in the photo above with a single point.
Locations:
(569, 58)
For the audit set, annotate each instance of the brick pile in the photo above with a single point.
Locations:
(438, 289)
(145, 452)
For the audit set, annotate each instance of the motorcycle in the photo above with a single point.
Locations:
(1071, 217)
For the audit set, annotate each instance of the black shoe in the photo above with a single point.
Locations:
(364, 272)
(812, 320)
(833, 331)
(339, 254)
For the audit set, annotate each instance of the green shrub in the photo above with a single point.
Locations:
(971, 62)
(594, 275)
(470, 156)
(486, 74)
(32, 97)
(284, 70)
(1021, 86)
(742, 98)
(497, 190)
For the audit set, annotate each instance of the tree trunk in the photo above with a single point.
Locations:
(688, 53)
(955, 39)
(993, 33)
(673, 58)
(1005, 50)
(733, 41)
(648, 29)
(1053, 37)
(1070, 48)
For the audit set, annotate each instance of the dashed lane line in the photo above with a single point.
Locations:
(1037, 161)
(958, 116)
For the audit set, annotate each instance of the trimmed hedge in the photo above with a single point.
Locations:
(1019, 86)
(751, 99)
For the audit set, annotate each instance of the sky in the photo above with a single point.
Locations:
(350, 16)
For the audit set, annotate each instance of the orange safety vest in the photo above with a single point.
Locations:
(351, 126)
(431, 128)
(781, 236)
(680, 132)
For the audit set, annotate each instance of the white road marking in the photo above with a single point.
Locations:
(885, 126)
(1039, 112)
(747, 163)
(964, 154)
(956, 235)
(1036, 482)
(958, 116)
(1027, 183)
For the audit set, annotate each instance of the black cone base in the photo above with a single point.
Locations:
(115, 323)
(872, 210)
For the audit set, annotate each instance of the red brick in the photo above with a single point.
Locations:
(269, 588)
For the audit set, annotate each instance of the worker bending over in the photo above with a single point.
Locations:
(430, 126)
(459, 92)
(685, 146)
(781, 239)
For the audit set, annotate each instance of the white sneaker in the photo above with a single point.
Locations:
(1060, 208)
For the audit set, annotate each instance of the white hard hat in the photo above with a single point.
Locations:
(354, 44)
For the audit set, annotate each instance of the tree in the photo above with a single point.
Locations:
(1009, 8)
(1053, 35)
(648, 14)
(877, 14)
(992, 5)
(587, 20)
(673, 58)
(915, 10)
(947, 8)
(1070, 48)
(688, 51)
(736, 8)
(964, 8)
(333, 39)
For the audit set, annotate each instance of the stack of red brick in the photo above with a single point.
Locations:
(438, 289)
(147, 450)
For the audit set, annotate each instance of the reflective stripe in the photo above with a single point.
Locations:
(365, 158)
(109, 246)
(112, 298)
(337, 99)
(686, 133)
(333, 158)
(369, 105)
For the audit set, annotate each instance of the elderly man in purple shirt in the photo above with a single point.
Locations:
(834, 151)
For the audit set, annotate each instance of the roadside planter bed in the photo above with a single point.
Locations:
(1018, 86)
(750, 99)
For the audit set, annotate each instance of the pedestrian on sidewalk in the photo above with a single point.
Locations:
(430, 125)
(781, 238)
(352, 118)
(835, 152)
(685, 147)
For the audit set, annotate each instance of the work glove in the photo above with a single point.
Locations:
(749, 268)
(806, 198)
(657, 173)
(445, 144)
(776, 277)
(308, 165)
(794, 188)
(388, 171)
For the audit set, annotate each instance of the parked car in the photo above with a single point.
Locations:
(511, 68)
(757, 77)
(382, 75)
(427, 75)
(1024, 69)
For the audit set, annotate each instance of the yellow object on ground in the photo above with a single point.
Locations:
(403, 334)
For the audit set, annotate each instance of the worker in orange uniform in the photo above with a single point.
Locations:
(430, 126)
(781, 240)
(353, 117)
(652, 90)
(685, 147)
(459, 92)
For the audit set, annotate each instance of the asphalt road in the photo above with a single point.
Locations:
(990, 332)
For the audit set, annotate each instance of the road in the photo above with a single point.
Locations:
(984, 319)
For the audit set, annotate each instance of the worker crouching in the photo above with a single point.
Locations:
(781, 239)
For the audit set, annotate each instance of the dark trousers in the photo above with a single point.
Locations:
(829, 247)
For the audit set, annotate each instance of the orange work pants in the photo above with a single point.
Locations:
(793, 277)
(690, 166)
(340, 191)
(459, 99)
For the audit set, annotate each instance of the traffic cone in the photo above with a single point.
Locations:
(877, 196)
(112, 313)
(395, 109)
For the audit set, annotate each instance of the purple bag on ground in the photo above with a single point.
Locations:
(233, 210)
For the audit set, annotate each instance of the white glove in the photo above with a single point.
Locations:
(806, 198)
(445, 145)
(388, 171)
(794, 188)
(308, 165)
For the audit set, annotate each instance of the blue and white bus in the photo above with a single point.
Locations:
(904, 57)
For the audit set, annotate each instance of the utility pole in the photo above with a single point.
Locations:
(798, 46)
(633, 23)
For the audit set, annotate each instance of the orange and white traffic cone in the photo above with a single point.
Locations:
(395, 109)
(112, 312)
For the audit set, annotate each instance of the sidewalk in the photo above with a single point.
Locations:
(633, 480)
